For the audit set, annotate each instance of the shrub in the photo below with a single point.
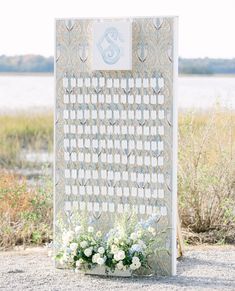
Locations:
(206, 172)
(25, 213)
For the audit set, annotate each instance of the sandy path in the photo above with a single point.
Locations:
(202, 268)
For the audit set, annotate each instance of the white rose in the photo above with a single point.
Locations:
(116, 240)
(90, 229)
(88, 252)
(116, 257)
(73, 246)
(101, 250)
(134, 236)
(132, 267)
(83, 244)
(114, 249)
(152, 230)
(120, 265)
(79, 263)
(50, 253)
(65, 257)
(67, 237)
(77, 229)
(137, 265)
(120, 255)
(135, 260)
(95, 257)
(100, 261)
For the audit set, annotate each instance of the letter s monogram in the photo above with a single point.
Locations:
(111, 53)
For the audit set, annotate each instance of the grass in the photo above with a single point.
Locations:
(206, 178)
(24, 132)
(206, 173)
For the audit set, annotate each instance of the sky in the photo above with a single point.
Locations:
(206, 27)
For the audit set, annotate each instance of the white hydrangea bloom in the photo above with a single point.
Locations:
(136, 248)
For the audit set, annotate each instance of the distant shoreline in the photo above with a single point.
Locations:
(50, 74)
(208, 75)
(28, 74)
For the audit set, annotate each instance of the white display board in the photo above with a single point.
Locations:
(116, 124)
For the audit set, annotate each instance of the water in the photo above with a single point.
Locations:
(206, 92)
(34, 93)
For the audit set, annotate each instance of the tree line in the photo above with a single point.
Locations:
(41, 64)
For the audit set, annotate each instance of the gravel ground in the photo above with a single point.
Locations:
(202, 268)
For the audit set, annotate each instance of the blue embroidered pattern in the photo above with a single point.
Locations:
(108, 47)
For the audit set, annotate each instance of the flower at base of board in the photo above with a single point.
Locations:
(124, 247)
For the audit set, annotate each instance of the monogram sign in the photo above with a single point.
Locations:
(112, 45)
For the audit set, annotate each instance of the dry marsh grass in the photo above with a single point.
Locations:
(25, 213)
(24, 132)
(206, 172)
(206, 178)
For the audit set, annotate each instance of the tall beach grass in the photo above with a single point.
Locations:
(206, 173)
(24, 132)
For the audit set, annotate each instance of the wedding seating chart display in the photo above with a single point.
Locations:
(116, 124)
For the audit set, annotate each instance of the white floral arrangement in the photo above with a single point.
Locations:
(122, 248)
